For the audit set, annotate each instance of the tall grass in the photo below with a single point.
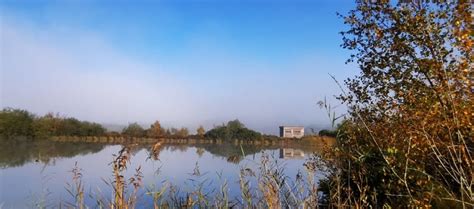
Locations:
(76, 189)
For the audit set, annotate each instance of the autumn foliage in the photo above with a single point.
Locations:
(408, 137)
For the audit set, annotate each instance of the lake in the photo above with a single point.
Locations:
(39, 174)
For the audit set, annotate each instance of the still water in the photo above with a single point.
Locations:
(38, 174)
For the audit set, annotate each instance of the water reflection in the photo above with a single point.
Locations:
(35, 171)
(289, 153)
(18, 152)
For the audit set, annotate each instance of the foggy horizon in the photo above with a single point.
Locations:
(182, 64)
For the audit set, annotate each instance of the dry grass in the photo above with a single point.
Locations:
(272, 189)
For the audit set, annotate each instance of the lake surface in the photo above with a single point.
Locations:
(37, 174)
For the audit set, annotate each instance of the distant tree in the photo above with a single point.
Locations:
(200, 131)
(70, 127)
(168, 132)
(183, 132)
(174, 131)
(46, 126)
(16, 122)
(232, 130)
(200, 151)
(92, 129)
(53, 125)
(133, 130)
(235, 124)
(156, 130)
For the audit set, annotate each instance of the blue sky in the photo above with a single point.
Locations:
(183, 62)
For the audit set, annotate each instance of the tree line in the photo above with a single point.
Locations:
(17, 122)
(157, 131)
(234, 129)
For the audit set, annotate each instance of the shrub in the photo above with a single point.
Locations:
(134, 130)
(407, 140)
(233, 130)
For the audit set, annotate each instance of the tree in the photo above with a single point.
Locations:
(410, 108)
(15, 122)
(235, 124)
(200, 151)
(201, 131)
(92, 129)
(156, 130)
(70, 127)
(46, 126)
(174, 131)
(133, 130)
(232, 130)
(182, 132)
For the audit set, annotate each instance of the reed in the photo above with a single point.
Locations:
(76, 189)
(273, 189)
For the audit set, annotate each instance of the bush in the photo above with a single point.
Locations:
(233, 130)
(134, 130)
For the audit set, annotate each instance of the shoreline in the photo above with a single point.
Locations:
(147, 140)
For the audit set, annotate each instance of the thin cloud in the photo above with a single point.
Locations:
(85, 78)
(80, 74)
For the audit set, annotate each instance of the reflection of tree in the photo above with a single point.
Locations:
(200, 151)
(133, 148)
(17, 152)
(230, 150)
(155, 151)
(181, 147)
(235, 159)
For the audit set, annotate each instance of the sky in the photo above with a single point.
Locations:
(184, 63)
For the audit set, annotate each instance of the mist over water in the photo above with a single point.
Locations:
(79, 73)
